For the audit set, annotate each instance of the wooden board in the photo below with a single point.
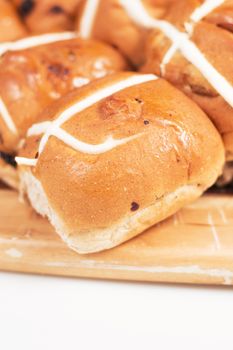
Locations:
(193, 246)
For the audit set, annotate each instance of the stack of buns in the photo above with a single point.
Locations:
(114, 125)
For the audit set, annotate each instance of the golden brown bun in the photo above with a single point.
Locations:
(214, 39)
(11, 28)
(222, 16)
(43, 16)
(32, 79)
(179, 11)
(98, 201)
(117, 28)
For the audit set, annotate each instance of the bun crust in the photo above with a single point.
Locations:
(11, 28)
(213, 36)
(96, 201)
(118, 29)
(31, 79)
(44, 16)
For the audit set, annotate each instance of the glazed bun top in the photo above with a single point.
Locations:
(31, 79)
(121, 140)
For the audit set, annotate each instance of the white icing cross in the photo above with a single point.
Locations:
(23, 44)
(197, 15)
(203, 10)
(54, 128)
(34, 41)
(181, 41)
(4, 113)
(88, 17)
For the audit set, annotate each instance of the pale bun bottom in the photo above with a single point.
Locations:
(105, 238)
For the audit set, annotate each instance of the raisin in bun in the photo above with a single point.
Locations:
(11, 27)
(195, 54)
(43, 16)
(120, 155)
(32, 78)
(117, 28)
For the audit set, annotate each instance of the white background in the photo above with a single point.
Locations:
(61, 313)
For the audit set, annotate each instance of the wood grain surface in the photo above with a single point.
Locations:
(193, 246)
